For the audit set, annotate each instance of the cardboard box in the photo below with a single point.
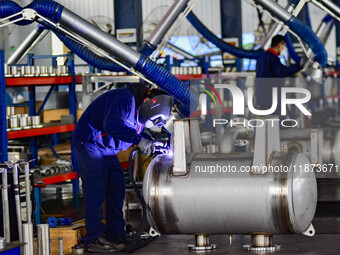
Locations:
(25, 109)
(64, 148)
(55, 115)
(72, 235)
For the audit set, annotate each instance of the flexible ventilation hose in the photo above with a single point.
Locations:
(163, 78)
(306, 34)
(328, 18)
(310, 39)
(210, 36)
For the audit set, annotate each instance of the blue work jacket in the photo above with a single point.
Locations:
(109, 123)
(269, 74)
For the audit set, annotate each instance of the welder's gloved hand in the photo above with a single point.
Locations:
(145, 145)
(160, 147)
(303, 60)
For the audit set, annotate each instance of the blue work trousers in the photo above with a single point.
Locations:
(102, 179)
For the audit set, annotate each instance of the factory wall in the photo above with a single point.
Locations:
(89, 8)
(207, 11)
(19, 34)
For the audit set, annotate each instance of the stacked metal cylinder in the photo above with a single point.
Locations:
(33, 71)
(109, 73)
(51, 170)
(187, 70)
(21, 121)
(46, 71)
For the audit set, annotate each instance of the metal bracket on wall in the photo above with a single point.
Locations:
(187, 140)
(267, 141)
(316, 146)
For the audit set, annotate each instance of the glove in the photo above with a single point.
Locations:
(160, 147)
(145, 145)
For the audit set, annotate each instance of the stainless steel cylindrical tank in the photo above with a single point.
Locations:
(233, 201)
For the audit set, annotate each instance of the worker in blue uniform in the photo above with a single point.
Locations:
(270, 73)
(112, 123)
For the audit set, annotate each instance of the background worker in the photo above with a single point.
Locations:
(269, 74)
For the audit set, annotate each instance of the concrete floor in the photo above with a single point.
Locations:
(290, 244)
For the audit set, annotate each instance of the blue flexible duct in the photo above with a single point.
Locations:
(238, 52)
(328, 18)
(47, 8)
(175, 87)
(8, 8)
(310, 38)
(151, 70)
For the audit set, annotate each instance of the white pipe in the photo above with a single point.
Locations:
(5, 207)
(43, 239)
(28, 193)
(17, 199)
(27, 229)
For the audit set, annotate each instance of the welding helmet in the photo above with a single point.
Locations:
(155, 111)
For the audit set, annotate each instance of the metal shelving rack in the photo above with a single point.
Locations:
(31, 83)
(40, 131)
